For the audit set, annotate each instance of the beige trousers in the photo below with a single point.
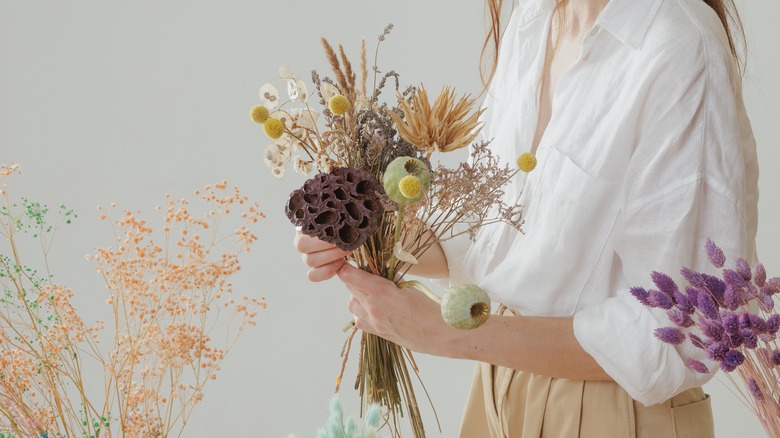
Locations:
(506, 403)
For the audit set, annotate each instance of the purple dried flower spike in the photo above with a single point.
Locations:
(341, 207)
(670, 335)
(743, 268)
(660, 299)
(717, 351)
(776, 358)
(733, 359)
(708, 307)
(664, 283)
(698, 366)
(679, 317)
(734, 278)
(773, 285)
(696, 341)
(755, 390)
(711, 329)
(683, 303)
(715, 254)
(715, 285)
(759, 276)
(732, 297)
(693, 277)
(773, 324)
(730, 322)
(640, 294)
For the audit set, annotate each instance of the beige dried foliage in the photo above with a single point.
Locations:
(447, 125)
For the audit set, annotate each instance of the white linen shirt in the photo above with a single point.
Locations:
(648, 152)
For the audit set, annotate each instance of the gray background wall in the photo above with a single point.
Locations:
(111, 101)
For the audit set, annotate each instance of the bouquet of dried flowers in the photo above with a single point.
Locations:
(172, 320)
(377, 194)
(732, 318)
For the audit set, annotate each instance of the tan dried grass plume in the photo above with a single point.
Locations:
(446, 126)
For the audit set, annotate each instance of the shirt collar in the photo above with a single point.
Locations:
(629, 20)
(626, 20)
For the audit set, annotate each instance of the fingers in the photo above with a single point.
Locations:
(360, 279)
(321, 258)
(325, 272)
(306, 244)
(363, 319)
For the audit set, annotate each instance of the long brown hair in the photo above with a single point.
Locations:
(725, 9)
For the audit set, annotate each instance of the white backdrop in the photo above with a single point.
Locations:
(114, 101)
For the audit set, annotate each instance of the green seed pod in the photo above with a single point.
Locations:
(465, 306)
(400, 168)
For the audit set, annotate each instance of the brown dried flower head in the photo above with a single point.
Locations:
(446, 126)
(342, 207)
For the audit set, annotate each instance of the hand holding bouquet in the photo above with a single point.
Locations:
(376, 195)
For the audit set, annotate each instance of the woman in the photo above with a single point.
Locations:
(634, 110)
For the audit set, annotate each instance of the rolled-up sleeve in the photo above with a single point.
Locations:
(692, 176)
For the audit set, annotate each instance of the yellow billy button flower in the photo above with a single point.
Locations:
(338, 105)
(273, 128)
(526, 162)
(410, 186)
(259, 114)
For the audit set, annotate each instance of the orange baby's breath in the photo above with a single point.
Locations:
(174, 321)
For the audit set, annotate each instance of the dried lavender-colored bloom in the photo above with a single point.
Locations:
(715, 254)
(341, 207)
(757, 323)
(697, 341)
(759, 275)
(743, 268)
(693, 277)
(750, 291)
(733, 359)
(732, 297)
(683, 303)
(745, 321)
(733, 278)
(715, 285)
(717, 351)
(679, 317)
(641, 294)
(767, 302)
(730, 322)
(734, 340)
(664, 283)
(707, 306)
(773, 324)
(711, 329)
(670, 335)
(693, 294)
(775, 358)
(749, 338)
(697, 366)
(755, 390)
(773, 285)
(660, 299)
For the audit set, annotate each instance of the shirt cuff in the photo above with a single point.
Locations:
(618, 334)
